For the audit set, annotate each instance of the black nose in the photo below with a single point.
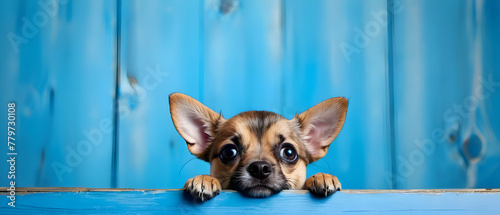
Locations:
(260, 169)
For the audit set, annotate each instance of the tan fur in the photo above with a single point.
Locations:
(259, 136)
(323, 184)
(203, 187)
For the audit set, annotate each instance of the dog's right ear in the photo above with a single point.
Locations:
(321, 124)
(195, 122)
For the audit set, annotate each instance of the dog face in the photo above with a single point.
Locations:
(258, 153)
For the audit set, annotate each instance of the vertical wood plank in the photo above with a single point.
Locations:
(488, 169)
(339, 48)
(243, 55)
(442, 57)
(62, 81)
(422, 76)
(160, 53)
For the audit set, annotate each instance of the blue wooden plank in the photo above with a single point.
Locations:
(288, 202)
(434, 90)
(160, 55)
(336, 48)
(243, 54)
(421, 75)
(62, 81)
(282, 56)
(488, 170)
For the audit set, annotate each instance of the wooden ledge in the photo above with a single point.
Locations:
(77, 200)
(24, 190)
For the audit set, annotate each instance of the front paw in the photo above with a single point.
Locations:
(203, 187)
(322, 184)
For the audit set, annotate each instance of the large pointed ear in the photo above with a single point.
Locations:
(321, 124)
(195, 122)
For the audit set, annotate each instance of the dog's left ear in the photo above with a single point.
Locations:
(321, 124)
(195, 122)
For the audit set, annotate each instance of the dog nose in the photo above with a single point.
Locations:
(260, 169)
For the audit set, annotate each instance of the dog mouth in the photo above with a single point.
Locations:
(254, 187)
(257, 189)
(260, 191)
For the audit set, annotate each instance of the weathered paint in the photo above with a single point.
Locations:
(280, 60)
(282, 56)
(62, 80)
(450, 62)
(287, 202)
(317, 69)
(157, 61)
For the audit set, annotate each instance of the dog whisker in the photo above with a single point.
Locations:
(258, 153)
(180, 170)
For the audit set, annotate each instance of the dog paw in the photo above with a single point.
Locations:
(322, 184)
(203, 187)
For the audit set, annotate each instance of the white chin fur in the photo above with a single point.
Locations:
(259, 192)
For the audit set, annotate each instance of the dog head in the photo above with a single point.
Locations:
(258, 153)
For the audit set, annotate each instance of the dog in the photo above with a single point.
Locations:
(258, 153)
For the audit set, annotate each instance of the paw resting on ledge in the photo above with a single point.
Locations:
(258, 153)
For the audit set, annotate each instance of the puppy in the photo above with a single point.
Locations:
(258, 153)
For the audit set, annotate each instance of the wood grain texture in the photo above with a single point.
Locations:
(432, 137)
(62, 83)
(317, 69)
(160, 51)
(281, 56)
(353, 191)
(287, 202)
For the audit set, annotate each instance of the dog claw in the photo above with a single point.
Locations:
(203, 187)
(201, 197)
(322, 184)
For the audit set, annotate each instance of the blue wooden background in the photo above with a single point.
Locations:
(422, 78)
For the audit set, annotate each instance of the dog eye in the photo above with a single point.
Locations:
(288, 153)
(228, 152)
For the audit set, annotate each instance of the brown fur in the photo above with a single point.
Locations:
(259, 132)
(258, 136)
